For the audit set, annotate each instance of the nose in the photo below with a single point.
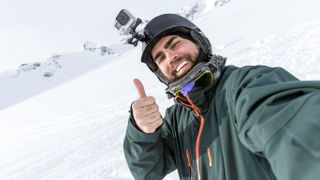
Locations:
(171, 56)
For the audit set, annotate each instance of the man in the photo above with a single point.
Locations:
(227, 123)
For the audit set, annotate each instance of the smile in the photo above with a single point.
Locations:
(181, 66)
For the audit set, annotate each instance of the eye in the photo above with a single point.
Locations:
(160, 58)
(174, 44)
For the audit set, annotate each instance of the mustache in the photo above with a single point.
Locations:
(178, 60)
(182, 58)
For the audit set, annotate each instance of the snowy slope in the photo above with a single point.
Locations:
(75, 130)
(38, 77)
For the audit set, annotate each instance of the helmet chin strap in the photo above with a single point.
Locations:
(204, 71)
(204, 43)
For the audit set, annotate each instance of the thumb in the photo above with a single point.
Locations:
(140, 89)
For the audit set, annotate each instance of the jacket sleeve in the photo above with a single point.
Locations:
(278, 117)
(148, 155)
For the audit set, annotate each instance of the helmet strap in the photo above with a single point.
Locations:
(203, 42)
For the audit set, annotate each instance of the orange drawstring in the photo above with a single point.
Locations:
(198, 114)
(197, 111)
(189, 162)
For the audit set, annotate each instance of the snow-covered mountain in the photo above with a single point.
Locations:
(65, 117)
(37, 77)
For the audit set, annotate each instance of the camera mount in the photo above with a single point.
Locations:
(126, 23)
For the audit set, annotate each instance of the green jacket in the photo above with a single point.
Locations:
(253, 123)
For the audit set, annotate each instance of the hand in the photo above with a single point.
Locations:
(145, 110)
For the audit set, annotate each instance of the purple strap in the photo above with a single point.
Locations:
(186, 88)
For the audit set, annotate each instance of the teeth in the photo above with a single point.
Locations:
(181, 65)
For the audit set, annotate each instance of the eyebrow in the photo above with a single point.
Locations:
(167, 44)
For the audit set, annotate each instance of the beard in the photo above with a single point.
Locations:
(187, 58)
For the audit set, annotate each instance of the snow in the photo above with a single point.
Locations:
(71, 125)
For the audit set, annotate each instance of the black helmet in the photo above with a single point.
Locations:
(172, 24)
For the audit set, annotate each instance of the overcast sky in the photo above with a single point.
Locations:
(32, 30)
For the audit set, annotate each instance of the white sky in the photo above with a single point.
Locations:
(32, 30)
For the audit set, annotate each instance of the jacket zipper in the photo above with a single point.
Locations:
(201, 119)
(197, 148)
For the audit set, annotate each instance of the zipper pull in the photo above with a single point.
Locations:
(209, 156)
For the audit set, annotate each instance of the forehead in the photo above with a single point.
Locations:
(161, 43)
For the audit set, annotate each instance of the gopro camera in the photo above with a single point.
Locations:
(126, 23)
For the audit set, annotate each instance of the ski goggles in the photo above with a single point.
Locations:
(200, 76)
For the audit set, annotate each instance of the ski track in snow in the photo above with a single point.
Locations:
(75, 147)
(299, 47)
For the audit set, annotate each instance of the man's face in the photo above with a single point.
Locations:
(174, 56)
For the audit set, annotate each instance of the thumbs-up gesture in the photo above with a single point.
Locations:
(145, 110)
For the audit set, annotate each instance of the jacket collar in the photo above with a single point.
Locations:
(201, 97)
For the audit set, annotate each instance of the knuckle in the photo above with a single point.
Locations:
(152, 99)
(156, 107)
(158, 115)
(160, 120)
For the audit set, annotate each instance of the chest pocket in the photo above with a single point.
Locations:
(212, 161)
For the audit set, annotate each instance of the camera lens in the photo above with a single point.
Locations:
(122, 18)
